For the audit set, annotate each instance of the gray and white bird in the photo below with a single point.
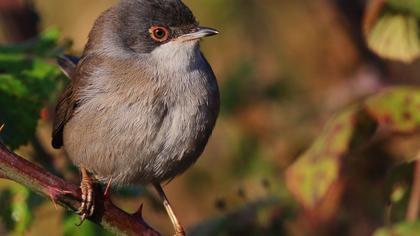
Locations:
(142, 101)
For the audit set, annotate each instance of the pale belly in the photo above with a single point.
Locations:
(138, 144)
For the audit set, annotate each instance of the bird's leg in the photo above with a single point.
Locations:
(86, 186)
(179, 230)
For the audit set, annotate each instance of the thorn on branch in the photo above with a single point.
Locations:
(54, 194)
(66, 194)
(1, 127)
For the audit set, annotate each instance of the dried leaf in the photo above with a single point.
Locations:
(312, 176)
(397, 109)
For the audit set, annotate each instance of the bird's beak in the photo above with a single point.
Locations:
(200, 32)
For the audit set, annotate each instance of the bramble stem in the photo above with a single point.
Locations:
(68, 195)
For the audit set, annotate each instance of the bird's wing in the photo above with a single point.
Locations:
(68, 101)
(68, 64)
(63, 112)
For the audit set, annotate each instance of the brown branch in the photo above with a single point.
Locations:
(414, 204)
(68, 195)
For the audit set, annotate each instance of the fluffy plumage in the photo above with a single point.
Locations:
(138, 111)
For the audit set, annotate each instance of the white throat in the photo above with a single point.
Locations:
(177, 56)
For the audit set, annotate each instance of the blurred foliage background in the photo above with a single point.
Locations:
(318, 133)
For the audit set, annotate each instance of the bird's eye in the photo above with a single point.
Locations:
(159, 33)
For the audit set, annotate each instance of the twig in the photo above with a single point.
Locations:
(413, 206)
(68, 195)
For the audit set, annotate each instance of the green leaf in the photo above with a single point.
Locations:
(9, 84)
(407, 6)
(20, 117)
(398, 192)
(21, 211)
(6, 212)
(401, 229)
(12, 62)
(27, 82)
(86, 229)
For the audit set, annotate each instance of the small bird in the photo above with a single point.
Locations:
(142, 100)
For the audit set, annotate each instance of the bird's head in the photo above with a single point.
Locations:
(144, 25)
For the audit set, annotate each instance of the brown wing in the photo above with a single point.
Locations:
(68, 101)
(63, 112)
(68, 64)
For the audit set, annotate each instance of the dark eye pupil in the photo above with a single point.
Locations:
(160, 33)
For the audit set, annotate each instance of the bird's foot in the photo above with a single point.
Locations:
(179, 230)
(88, 204)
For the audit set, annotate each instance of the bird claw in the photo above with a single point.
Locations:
(180, 232)
(87, 207)
(108, 189)
(82, 219)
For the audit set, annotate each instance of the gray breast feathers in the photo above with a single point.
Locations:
(146, 125)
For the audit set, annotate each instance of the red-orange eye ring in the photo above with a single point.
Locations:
(159, 33)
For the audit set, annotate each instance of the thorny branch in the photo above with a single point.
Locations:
(68, 195)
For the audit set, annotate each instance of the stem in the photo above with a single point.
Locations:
(68, 195)
(413, 206)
